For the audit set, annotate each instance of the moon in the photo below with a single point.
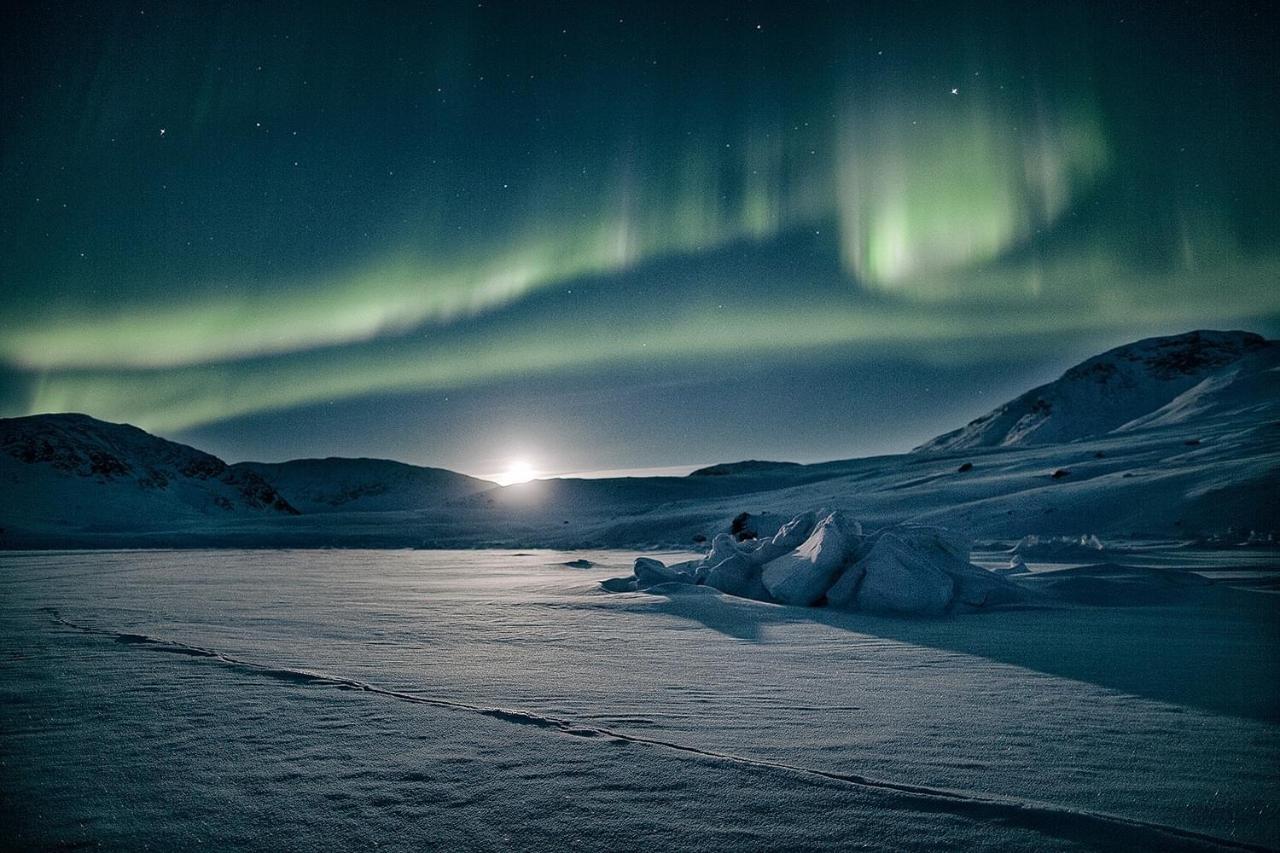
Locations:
(519, 471)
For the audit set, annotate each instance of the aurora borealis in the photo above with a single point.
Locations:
(313, 228)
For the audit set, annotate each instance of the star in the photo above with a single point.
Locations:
(955, 91)
(162, 131)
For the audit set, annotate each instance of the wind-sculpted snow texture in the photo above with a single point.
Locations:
(491, 700)
(826, 558)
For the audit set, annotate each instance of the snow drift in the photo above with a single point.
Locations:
(821, 558)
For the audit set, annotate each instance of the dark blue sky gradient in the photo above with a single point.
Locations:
(616, 236)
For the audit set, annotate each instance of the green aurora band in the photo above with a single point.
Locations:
(953, 203)
(944, 197)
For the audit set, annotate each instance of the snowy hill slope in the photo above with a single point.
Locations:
(1195, 453)
(1182, 482)
(744, 467)
(573, 496)
(1248, 389)
(72, 472)
(362, 485)
(1129, 387)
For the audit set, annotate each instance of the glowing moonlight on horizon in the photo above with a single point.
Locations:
(517, 472)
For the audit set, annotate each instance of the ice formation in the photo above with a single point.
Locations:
(819, 558)
(1086, 545)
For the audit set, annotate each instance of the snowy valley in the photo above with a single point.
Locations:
(1169, 438)
(787, 657)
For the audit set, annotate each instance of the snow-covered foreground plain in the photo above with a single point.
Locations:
(500, 700)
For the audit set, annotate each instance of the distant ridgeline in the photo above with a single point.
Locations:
(1175, 437)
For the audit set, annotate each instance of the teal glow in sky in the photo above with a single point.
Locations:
(228, 220)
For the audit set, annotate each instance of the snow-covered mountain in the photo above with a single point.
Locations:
(1153, 382)
(71, 472)
(1171, 438)
(362, 485)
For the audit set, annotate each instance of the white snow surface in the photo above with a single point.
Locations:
(1202, 478)
(75, 473)
(467, 700)
(1174, 437)
(1158, 381)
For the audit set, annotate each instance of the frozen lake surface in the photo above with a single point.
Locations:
(499, 700)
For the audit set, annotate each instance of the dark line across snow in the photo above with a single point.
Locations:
(1098, 829)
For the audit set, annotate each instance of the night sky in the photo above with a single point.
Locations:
(616, 236)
